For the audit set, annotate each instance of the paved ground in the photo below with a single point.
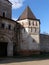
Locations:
(23, 61)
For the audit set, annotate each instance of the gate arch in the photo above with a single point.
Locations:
(6, 38)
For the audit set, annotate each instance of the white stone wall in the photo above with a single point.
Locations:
(29, 41)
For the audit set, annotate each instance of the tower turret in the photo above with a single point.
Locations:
(5, 8)
(29, 36)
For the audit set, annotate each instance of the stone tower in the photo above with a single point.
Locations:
(5, 8)
(29, 36)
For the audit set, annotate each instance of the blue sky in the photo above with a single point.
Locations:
(40, 8)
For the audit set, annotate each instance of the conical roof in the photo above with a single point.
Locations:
(27, 14)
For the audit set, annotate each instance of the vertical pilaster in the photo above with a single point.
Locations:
(10, 49)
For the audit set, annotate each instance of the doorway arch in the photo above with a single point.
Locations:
(7, 45)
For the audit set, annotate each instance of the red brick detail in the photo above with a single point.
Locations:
(28, 52)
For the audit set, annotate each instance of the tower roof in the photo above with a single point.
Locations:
(27, 14)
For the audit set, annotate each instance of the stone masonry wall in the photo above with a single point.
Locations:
(44, 42)
(8, 34)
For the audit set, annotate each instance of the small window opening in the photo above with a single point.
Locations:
(33, 23)
(9, 27)
(31, 29)
(3, 14)
(33, 40)
(2, 25)
(29, 23)
(36, 23)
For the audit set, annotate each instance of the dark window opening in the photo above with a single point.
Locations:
(9, 27)
(35, 29)
(36, 23)
(2, 25)
(31, 29)
(33, 40)
(33, 23)
(29, 23)
(3, 14)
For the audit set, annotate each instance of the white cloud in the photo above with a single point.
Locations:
(15, 19)
(17, 3)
